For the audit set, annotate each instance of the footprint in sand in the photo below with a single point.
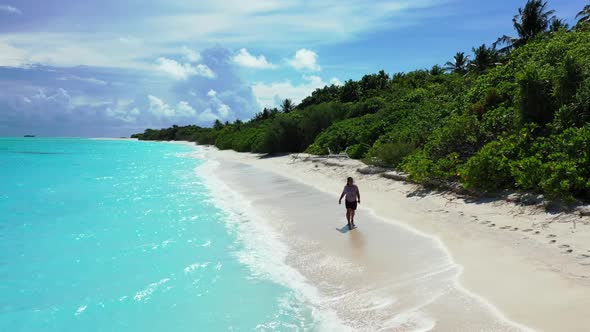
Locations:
(552, 241)
(564, 246)
(551, 236)
(514, 229)
(492, 225)
(569, 251)
(527, 230)
(538, 232)
(582, 256)
(504, 227)
(485, 222)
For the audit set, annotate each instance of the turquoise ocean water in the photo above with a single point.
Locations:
(105, 235)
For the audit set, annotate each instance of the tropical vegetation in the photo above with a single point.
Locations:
(514, 115)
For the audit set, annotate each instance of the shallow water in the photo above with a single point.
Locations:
(126, 236)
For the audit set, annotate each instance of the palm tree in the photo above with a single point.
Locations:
(557, 24)
(383, 79)
(459, 63)
(436, 70)
(265, 114)
(584, 15)
(484, 58)
(287, 106)
(217, 125)
(530, 21)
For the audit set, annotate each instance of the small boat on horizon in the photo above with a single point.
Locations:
(29, 135)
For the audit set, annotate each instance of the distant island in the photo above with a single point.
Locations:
(514, 115)
(29, 136)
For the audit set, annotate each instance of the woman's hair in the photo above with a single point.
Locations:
(349, 179)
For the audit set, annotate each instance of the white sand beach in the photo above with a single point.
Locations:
(464, 266)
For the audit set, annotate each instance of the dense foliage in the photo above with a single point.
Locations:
(511, 118)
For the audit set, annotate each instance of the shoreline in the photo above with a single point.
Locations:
(523, 273)
(351, 272)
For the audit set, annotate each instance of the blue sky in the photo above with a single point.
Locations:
(112, 67)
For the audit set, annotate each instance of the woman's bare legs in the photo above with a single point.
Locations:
(349, 218)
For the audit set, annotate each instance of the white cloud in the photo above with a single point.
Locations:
(190, 55)
(224, 111)
(162, 110)
(229, 23)
(335, 81)
(270, 95)
(305, 60)
(43, 102)
(203, 70)
(9, 9)
(61, 96)
(130, 40)
(83, 79)
(293, 22)
(159, 108)
(182, 71)
(11, 56)
(217, 107)
(184, 109)
(207, 116)
(123, 114)
(245, 59)
(24, 49)
(95, 101)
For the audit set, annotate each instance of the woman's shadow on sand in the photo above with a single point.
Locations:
(344, 229)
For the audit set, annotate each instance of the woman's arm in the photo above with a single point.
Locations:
(341, 196)
(358, 194)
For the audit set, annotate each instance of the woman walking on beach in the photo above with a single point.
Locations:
(353, 196)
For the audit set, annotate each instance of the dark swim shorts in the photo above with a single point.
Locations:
(351, 205)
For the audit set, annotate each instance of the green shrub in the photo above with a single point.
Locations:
(488, 170)
(557, 166)
(346, 133)
(461, 134)
(391, 154)
(419, 166)
(569, 80)
(499, 121)
(576, 113)
(283, 135)
(537, 104)
(316, 149)
(369, 106)
(357, 151)
(317, 118)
